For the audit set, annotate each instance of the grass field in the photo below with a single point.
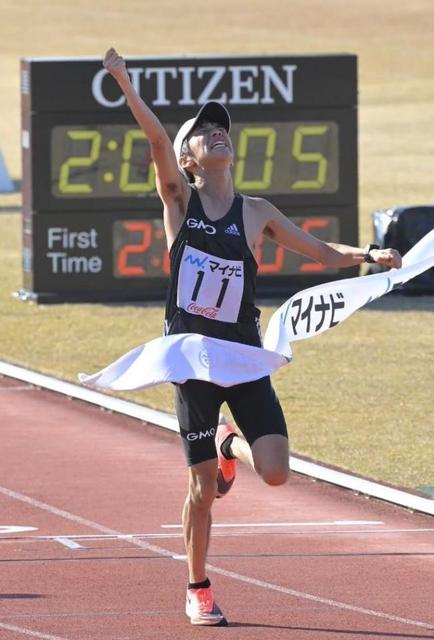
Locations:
(361, 396)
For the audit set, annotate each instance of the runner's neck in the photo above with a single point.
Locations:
(216, 193)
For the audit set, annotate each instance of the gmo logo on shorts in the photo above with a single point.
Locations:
(209, 433)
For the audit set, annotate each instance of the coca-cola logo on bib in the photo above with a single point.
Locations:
(207, 312)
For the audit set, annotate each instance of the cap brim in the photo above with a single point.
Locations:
(212, 112)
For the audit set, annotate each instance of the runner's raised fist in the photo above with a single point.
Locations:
(389, 257)
(115, 64)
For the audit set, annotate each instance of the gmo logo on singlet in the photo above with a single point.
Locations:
(192, 223)
(209, 433)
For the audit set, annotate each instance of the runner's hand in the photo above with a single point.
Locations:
(389, 257)
(115, 64)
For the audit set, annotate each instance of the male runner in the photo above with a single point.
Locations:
(212, 234)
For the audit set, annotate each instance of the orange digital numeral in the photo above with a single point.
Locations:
(270, 267)
(122, 266)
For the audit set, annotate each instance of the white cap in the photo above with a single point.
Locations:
(211, 112)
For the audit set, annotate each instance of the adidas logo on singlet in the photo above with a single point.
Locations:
(232, 229)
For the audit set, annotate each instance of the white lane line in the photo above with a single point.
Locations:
(221, 534)
(309, 596)
(29, 632)
(67, 542)
(78, 519)
(13, 528)
(212, 568)
(350, 532)
(335, 523)
(91, 538)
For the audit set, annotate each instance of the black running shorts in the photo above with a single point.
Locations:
(254, 405)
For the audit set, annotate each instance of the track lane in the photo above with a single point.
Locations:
(110, 471)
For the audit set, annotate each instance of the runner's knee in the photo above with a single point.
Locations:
(271, 458)
(203, 484)
(274, 476)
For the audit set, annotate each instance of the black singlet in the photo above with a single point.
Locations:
(213, 277)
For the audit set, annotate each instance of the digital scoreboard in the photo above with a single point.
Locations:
(92, 217)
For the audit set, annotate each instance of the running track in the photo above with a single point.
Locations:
(101, 558)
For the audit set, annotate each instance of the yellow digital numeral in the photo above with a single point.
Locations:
(94, 137)
(127, 151)
(304, 157)
(243, 146)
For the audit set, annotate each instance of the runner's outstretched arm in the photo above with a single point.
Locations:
(284, 232)
(171, 186)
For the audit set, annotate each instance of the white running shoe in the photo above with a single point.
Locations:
(201, 608)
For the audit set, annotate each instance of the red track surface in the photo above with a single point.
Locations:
(80, 475)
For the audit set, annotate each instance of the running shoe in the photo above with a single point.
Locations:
(227, 469)
(201, 608)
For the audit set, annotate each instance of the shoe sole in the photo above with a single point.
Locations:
(216, 619)
(222, 623)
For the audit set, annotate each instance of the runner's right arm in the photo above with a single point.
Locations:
(171, 186)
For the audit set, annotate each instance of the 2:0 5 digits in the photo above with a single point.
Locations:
(139, 249)
(112, 161)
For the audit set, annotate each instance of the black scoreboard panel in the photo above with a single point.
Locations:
(92, 217)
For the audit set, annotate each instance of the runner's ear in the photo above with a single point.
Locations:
(187, 162)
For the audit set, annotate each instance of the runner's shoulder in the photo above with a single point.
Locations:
(259, 207)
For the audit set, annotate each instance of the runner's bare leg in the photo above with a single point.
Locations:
(268, 456)
(196, 516)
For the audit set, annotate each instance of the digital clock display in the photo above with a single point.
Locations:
(270, 158)
(139, 249)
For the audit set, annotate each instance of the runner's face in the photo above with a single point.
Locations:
(210, 139)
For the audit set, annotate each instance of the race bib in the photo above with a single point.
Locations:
(209, 286)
